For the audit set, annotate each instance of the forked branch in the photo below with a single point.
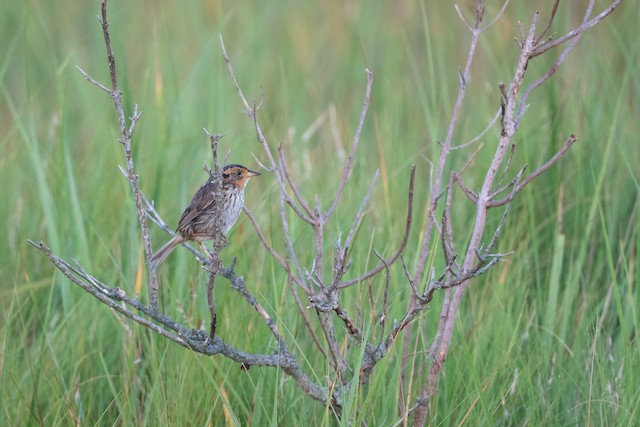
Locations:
(477, 260)
(125, 140)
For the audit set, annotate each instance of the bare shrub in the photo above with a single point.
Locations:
(309, 286)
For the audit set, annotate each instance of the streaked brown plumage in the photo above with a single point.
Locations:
(197, 222)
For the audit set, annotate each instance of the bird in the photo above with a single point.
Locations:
(198, 221)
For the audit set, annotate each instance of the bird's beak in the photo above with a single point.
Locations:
(252, 173)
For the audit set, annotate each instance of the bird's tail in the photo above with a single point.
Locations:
(164, 251)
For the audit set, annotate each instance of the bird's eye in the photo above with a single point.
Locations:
(225, 175)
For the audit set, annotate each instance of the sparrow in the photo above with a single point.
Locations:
(198, 221)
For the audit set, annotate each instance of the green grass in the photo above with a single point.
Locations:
(548, 337)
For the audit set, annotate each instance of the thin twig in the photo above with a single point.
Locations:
(155, 217)
(289, 244)
(533, 175)
(349, 324)
(312, 219)
(125, 139)
(369, 274)
(329, 332)
(498, 16)
(470, 194)
(385, 299)
(446, 231)
(498, 229)
(292, 184)
(480, 135)
(271, 249)
(252, 113)
(341, 264)
(506, 166)
(354, 146)
(219, 240)
(510, 184)
(540, 49)
(552, 16)
(318, 234)
(462, 18)
(92, 80)
(359, 215)
(239, 285)
(565, 53)
(303, 313)
(412, 283)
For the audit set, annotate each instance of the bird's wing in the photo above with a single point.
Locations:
(201, 201)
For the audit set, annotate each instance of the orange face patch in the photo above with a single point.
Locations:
(238, 175)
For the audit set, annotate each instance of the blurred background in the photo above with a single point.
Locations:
(548, 337)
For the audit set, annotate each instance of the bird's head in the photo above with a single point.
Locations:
(237, 175)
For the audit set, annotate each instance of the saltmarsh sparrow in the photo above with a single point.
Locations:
(197, 222)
